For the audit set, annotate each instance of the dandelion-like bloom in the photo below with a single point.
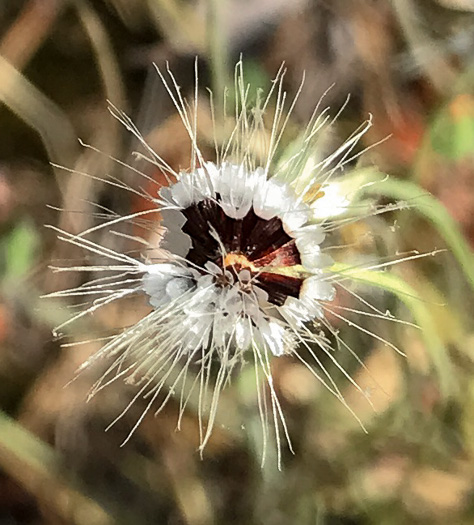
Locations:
(240, 274)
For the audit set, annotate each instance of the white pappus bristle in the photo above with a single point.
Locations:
(232, 261)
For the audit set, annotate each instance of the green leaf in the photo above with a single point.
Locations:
(20, 250)
(452, 134)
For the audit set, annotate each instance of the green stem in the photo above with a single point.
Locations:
(218, 52)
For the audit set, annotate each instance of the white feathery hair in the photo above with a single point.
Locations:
(207, 316)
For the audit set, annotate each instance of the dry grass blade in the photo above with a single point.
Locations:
(29, 31)
(37, 467)
(39, 112)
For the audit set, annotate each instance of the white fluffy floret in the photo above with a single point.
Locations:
(240, 274)
(232, 311)
(240, 190)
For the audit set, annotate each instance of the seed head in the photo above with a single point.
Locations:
(239, 274)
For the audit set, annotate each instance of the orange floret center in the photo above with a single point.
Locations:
(239, 260)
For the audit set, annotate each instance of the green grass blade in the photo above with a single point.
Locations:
(422, 316)
(433, 210)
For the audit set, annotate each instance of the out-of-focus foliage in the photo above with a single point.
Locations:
(410, 65)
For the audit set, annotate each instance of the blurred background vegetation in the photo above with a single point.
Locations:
(409, 63)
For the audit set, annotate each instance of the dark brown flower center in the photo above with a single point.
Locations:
(250, 243)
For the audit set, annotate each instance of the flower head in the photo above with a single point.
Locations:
(239, 273)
